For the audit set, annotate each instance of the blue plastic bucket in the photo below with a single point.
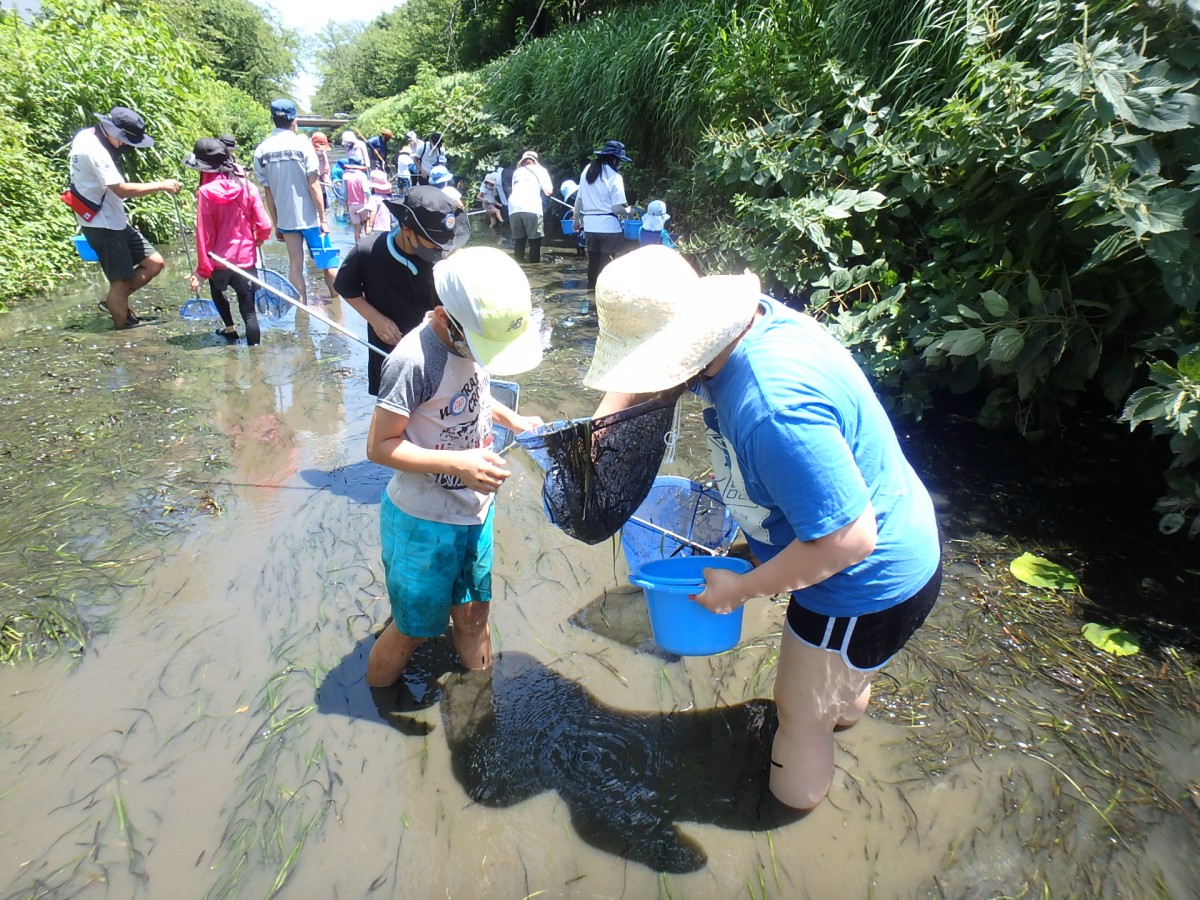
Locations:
(326, 258)
(84, 249)
(680, 624)
(633, 228)
(568, 225)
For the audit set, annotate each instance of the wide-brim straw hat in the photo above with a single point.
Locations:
(661, 323)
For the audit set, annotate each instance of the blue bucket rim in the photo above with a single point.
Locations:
(699, 563)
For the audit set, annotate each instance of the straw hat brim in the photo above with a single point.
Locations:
(715, 313)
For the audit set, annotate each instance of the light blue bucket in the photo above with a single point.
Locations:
(633, 228)
(680, 624)
(84, 249)
(568, 225)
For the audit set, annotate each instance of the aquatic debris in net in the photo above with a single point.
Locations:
(598, 471)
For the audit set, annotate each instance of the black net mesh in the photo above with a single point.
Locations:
(598, 471)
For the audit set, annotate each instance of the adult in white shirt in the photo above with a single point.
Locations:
(128, 260)
(285, 164)
(531, 184)
(599, 204)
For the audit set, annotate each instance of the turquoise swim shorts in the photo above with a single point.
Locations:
(432, 566)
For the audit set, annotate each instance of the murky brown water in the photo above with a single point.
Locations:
(216, 739)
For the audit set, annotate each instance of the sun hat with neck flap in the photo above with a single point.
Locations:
(487, 294)
(661, 323)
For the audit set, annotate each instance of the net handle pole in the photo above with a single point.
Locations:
(675, 537)
(296, 303)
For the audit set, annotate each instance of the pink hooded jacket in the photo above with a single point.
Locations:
(231, 221)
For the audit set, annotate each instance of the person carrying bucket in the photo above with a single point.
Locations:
(98, 192)
(232, 222)
(433, 426)
(285, 164)
(807, 462)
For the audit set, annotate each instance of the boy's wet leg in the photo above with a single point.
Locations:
(390, 654)
(472, 634)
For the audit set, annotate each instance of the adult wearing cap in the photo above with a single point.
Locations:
(808, 463)
(599, 204)
(531, 184)
(388, 278)
(286, 166)
(128, 260)
(433, 426)
(377, 148)
(232, 223)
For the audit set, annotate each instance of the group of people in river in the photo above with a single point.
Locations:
(803, 453)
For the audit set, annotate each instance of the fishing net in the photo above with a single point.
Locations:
(598, 471)
(199, 308)
(270, 304)
(679, 517)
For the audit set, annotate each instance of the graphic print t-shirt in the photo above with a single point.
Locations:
(448, 403)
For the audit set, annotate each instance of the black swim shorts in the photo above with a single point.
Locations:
(866, 642)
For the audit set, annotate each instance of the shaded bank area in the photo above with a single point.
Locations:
(216, 519)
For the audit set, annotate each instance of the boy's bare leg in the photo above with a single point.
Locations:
(472, 635)
(389, 656)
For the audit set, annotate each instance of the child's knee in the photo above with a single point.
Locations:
(801, 767)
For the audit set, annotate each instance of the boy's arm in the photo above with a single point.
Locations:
(480, 470)
(512, 420)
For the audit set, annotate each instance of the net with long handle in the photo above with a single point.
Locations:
(598, 471)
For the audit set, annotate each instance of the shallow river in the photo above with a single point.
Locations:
(211, 511)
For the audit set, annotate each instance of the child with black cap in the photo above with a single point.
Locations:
(232, 222)
(388, 278)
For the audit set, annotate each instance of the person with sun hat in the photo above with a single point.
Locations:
(807, 462)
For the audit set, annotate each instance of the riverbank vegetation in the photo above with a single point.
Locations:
(996, 200)
(85, 57)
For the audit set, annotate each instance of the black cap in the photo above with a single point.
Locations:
(209, 155)
(430, 213)
(614, 148)
(126, 126)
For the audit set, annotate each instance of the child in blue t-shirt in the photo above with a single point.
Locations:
(654, 225)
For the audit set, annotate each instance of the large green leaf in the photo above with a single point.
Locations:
(1040, 572)
(1111, 639)
(1007, 343)
(967, 342)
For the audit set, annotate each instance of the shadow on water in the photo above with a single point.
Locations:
(363, 482)
(627, 778)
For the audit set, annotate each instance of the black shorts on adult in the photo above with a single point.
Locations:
(866, 642)
(119, 251)
(605, 243)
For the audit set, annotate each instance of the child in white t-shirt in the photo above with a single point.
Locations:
(379, 218)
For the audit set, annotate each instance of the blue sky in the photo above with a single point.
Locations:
(310, 16)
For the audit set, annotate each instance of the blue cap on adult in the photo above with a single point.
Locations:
(614, 148)
(283, 111)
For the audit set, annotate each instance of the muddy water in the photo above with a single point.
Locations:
(215, 739)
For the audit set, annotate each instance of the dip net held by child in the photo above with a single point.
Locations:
(598, 471)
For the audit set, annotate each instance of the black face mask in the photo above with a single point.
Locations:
(428, 254)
